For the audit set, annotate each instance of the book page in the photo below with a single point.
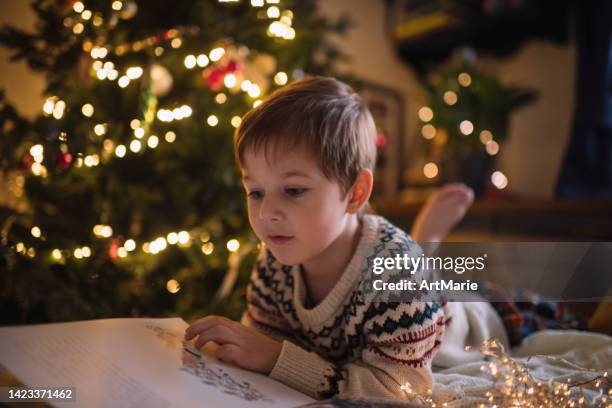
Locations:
(133, 363)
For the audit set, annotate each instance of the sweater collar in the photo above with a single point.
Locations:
(349, 280)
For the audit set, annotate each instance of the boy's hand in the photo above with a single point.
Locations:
(239, 344)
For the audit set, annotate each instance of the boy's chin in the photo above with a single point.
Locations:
(286, 259)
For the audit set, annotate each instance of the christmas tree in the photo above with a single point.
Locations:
(127, 201)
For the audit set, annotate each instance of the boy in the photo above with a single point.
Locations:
(307, 156)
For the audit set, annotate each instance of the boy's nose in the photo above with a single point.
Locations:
(270, 211)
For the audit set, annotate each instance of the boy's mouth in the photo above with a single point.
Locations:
(280, 239)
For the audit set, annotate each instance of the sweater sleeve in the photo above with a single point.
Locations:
(400, 341)
(262, 312)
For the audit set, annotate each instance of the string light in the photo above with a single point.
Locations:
(78, 28)
(230, 80)
(100, 129)
(202, 60)
(257, 103)
(36, 233)
(78, 7)
(492, 147)
(58, 109)
(102, 231)
(281, 29)
(499, 180)
(428, 131)
(208, 248)
(257, 3)
(87, 110)
(130, 245)
(450, 98)
(170, 136)
(220, 98)
(49, 105)
(120, 151)
(430, 170)
(117, 5)
(233, 245)
(139, 132)
(152, 141)
(212, 120)
(486, 136)
(123, 81)
(190, 61)
(183, 238)
(134, 72)
(36, 152)
(236, 121)
(56, 254)
(466, 127)
(173, 286)
(426, 114)
(172, 238)
(464, 79)
(122, 252)
(216, 54)
(280, 78)
(273, 12)
(135, 146)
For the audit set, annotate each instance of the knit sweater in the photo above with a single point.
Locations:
(347, 346)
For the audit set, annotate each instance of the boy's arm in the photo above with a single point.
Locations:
(400, 343)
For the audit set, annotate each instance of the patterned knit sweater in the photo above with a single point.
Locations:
(346, 346)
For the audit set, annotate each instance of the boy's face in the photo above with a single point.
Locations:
(293, 208)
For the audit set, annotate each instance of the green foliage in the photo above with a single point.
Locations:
(486, 102)
(191, 184)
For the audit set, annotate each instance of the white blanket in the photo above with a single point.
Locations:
(464, 385)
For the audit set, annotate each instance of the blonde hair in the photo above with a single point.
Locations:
(322, 114)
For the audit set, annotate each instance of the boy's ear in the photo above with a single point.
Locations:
(361, 191)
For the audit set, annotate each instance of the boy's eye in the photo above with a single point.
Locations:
(295, 191)
(255, 195)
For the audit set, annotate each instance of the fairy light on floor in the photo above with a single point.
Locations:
(516, 386)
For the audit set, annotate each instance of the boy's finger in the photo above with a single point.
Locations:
(228, 352)
(204, 324)
(219, 334)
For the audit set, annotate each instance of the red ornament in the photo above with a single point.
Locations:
(113, 250)
(63, 160)
(381, 140)
(214, 78)
(28, 161)
(232, 66)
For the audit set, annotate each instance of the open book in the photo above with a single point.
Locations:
(133, 363)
